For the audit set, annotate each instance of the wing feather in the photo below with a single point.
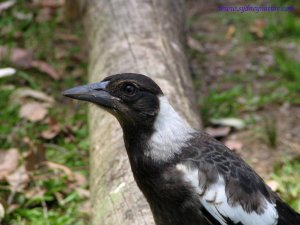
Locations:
(226, 186)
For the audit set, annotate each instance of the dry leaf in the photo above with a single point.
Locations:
(6, 5)
(35, 192)
(230, 32)
(56, 166)
(52, 131)
(86, 207)
(20, 96)
(258, 28)
(8, 162)
(218, 131)
(12, 207)
(33, 111)
(194, 44)
(19, 179)
(80, 179)
(234, 145)
(20, 57)
(24, 59)
(46, 68)
(83, 193)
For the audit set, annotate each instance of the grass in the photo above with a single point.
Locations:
(246, 94)
(287, 175)
(281, 82)
(57, 202)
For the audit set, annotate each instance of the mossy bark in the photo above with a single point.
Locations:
(140, 36)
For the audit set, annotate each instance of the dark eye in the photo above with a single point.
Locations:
(129, 89)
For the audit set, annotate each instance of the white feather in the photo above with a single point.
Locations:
(215, 201)
(170, 135)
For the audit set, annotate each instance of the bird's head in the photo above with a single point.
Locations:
(132, 98)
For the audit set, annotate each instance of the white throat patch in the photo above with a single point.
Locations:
(170, 133)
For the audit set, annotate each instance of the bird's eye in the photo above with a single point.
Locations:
(129, 89)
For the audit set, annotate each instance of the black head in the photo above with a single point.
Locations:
(132, 98)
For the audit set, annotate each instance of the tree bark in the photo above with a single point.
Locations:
(140, 36)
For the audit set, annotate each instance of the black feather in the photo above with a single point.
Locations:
(287, 216)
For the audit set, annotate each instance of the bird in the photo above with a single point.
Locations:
(186, 176)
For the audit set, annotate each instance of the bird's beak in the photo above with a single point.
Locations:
(95, 93)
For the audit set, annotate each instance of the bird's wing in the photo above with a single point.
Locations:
(229, 190)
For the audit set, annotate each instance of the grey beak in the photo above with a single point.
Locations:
(95, 93)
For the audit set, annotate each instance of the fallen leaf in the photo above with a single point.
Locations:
(6, 5)
(194, 44)
(233, 144)
(53, 130)
(24, 59)
(19, 179)
(35, 192)
(258, 28)
(46, 68)
(230, 122)
(80, 179)
(85, 207)
(230, 32)
(8, 162)
(56, 166)
(218, 131)
(20, 96)
(222, 51)
(5, 72)
(20, 57)
(83, 193)
(12, 207)
(33, 111)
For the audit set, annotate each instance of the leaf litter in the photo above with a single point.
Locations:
(24, 59)
(9, 161)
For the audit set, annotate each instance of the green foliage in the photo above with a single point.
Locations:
(288, 67)
(285, 26)
(287, 175)
(271, 132)
(219, 104)
(56, 201)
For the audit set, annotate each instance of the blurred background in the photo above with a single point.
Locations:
(246, 72)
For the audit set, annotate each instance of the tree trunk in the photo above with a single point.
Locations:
(140, 36)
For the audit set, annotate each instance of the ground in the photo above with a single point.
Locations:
(244, 66)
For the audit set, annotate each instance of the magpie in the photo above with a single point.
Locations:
(187, 176)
